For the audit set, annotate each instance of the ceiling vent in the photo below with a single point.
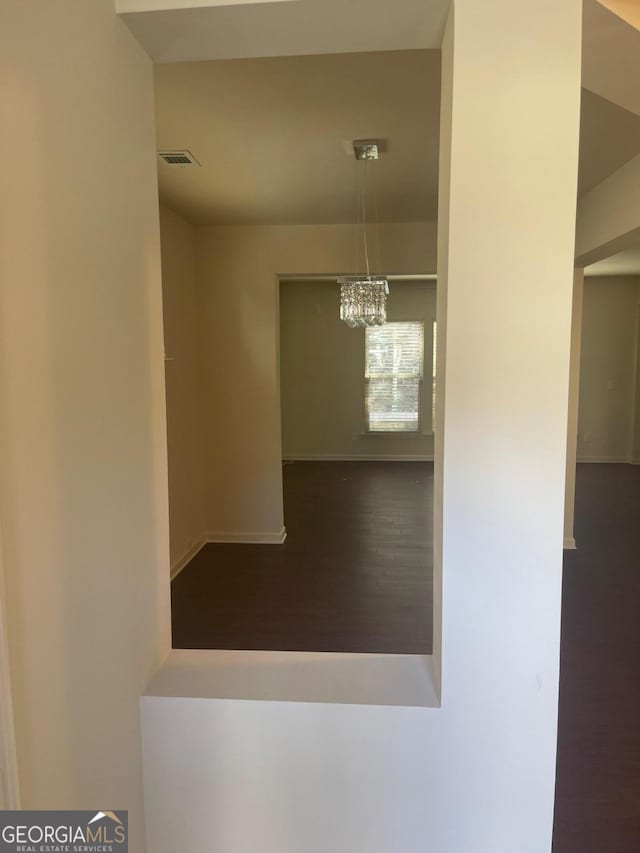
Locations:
(178, 158)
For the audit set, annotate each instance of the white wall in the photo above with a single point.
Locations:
(608, 369)
(508, 285)
(237, 270)
(322, 367)
(83, 492)
(478, 773)
(186, 452)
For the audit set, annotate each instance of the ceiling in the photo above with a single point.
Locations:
(628, 10)
(609, 137)
(610, 56)
(624, 263)
(289, 28)
(170, 31)
(274, 136)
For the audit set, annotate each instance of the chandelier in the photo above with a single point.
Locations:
(363, 302)
(363, 297)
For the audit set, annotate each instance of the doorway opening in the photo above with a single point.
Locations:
(304, 526)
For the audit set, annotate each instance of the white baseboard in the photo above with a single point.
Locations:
(569, 544)
(264, 538)
(358, 457)
(226, 537)
(178, 565)
(617, 460)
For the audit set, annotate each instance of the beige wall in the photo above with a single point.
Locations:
(237, 270)
(83, 491)
(183, 386)
(607, 369)
(322, 365)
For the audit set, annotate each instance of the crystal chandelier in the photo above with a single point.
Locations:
(363, 298)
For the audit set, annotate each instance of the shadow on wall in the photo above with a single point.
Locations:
(608, 422)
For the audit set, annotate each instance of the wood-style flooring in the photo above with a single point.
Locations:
(354, 575)
(598, 767)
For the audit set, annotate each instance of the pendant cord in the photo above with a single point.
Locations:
(361, 219)
(375, 213)
(364, 216)
(356, 258)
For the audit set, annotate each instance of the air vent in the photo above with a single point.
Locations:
(178, 158)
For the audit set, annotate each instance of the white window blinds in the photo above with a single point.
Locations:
(433, 375)
(394, 368)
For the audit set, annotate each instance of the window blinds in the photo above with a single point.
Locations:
(394, 368)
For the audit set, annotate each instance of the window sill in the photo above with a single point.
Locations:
(322, 677)
(392, 434)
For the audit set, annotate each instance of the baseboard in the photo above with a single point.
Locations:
(178, 565)
(221, 537)
(569, 544)
(358, 457)
(610, 460)
(265, 538)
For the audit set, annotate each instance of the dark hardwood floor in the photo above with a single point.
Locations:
(598, 768)
(354, 575)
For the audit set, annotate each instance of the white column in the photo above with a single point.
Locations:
(574, 397)
(510, 124)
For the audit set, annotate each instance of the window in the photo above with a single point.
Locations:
(394, 370)
(433, 375)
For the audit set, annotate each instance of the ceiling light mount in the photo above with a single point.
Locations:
(367, 149)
